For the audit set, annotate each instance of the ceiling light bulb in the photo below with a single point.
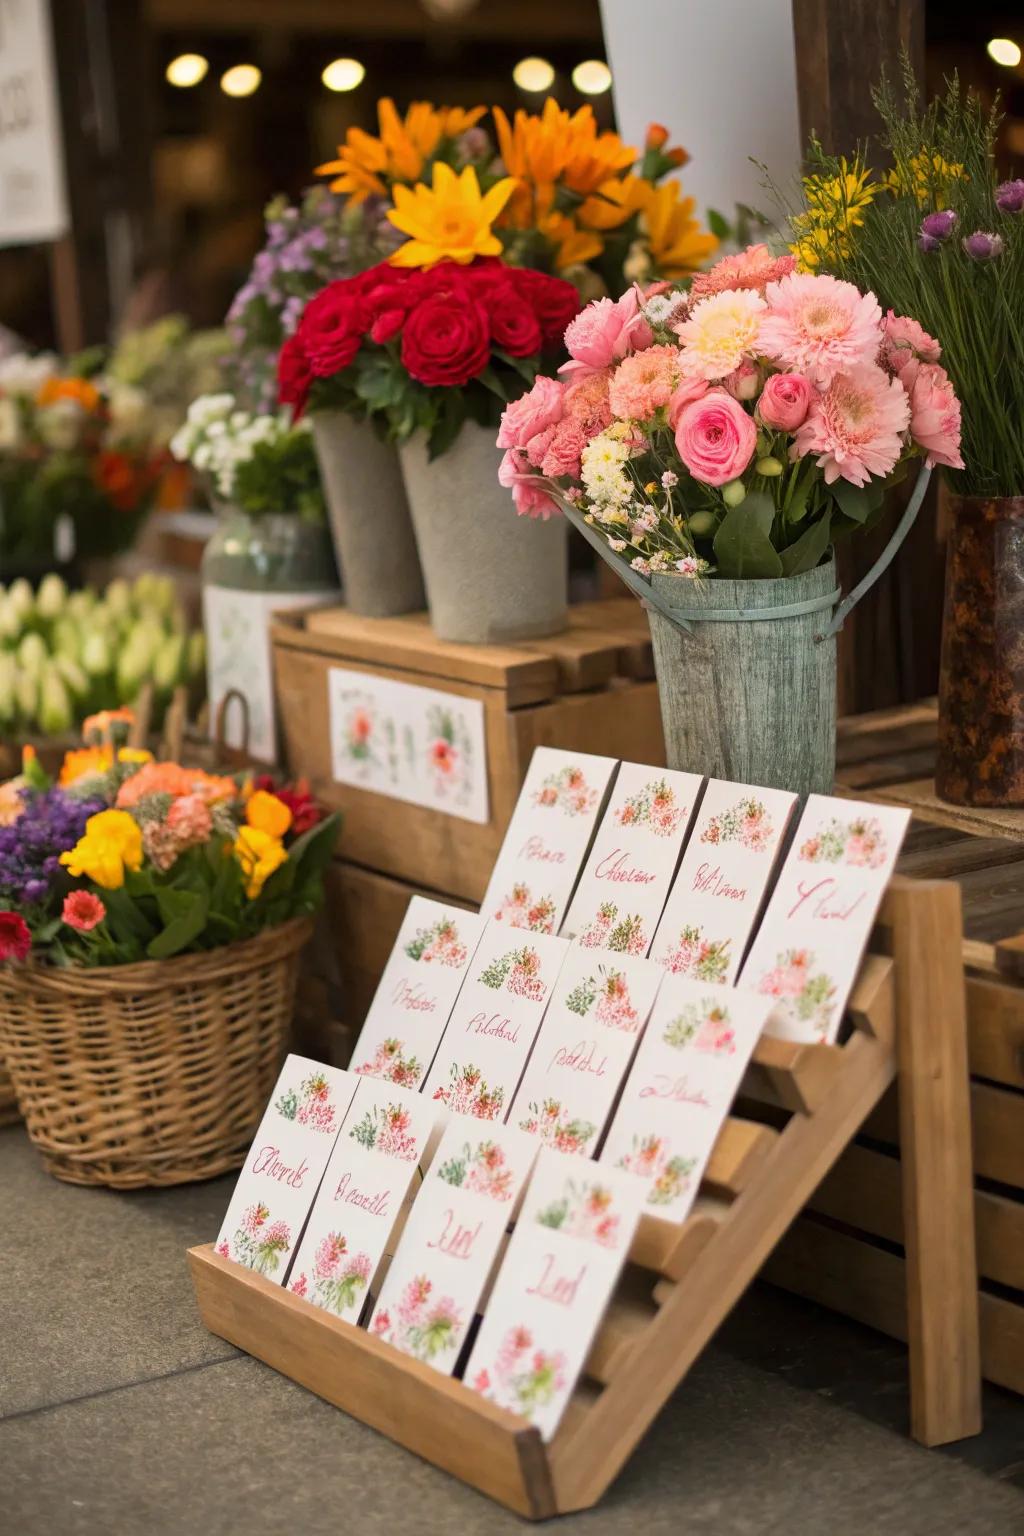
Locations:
(592, 77)
(187, 69)
(343, 75)
(240, 80)
(534, 74)
(1004, 51)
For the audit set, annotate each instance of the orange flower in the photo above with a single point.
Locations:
(122, 479)
(368, 165)
(558, 147)
(267, 813)
(105, 722)
(678, 244)
(174, 780)
(81, 391)
(83, 762)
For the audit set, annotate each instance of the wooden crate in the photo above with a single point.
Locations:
(848, 1249)
(590, 689)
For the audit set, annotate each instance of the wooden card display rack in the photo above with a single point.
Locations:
(800, 1106)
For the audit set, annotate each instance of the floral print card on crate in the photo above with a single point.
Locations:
(284, 1166)
(724, 874)
(374, 1161)
(450, 1241)
(556, 1279)
(547, 839)
(686, 1074)
(417, 991)
(586, 1042)
(629, 869)
(808, 949)
(494, 1022)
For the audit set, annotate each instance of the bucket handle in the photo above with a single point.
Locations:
(641, 586)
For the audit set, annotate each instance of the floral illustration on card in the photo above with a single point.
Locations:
(607, 994)
(859, 843)
(339, 1277)
(518, 971)
(449, 753)
(705, 1025)
(309, 1105)
(523, 1376)
(258, 1242)
(805, 994)
(650, 1157)
(556, 1127)
(522, 909)
(654, 807)
(438, 943)
(694, 955)
(390, 1063)
(567, 791)
(385, 1129)
(747, 823)
(608, 930)
(480, 1167)
(359, 733)
(423, 1325)
(584, 1209)
(468, 1094)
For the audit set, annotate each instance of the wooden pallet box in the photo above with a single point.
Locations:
(590, 689)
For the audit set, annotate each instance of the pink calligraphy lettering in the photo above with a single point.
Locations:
(458, 1243)
(535, 848)
(827, 904)
(711, 882)
(374, 1204)
(495, 1026)
(414, 999)
(616, 866)
(268, 1161)
(554, 1287)
(675, 1088)
(581, 1058)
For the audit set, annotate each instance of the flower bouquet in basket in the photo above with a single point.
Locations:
(713, 445)
(151, 917)
(432, 345)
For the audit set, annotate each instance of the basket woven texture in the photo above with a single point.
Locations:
(155, 1073)
(8, 1098)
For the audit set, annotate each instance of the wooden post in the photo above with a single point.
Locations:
(935, 1145)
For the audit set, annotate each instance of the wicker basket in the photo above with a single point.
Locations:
(155, 1073)
(8, 1098)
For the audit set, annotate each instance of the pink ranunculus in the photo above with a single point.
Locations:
(539, 408)
(744, 382)
(716, 438)
(684, 394)
(934, 412)
(531, 500)
(604, 332)
(785, 401)
(902, 340)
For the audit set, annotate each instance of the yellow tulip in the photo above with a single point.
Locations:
(268, 814)
(259, 854)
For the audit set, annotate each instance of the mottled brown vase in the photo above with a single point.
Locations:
(981, 683)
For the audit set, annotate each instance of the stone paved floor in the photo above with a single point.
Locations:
(119, 1414)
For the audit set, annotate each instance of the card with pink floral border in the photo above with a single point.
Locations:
(417, 991)
(556, 1279)
(693, 1055)
(809, 947)
(719, 890)
(629, 869)
(586, 1042)
(372, 1166)
(494, 1022)
(451, 1238)
(547, 839)
(284, 1166)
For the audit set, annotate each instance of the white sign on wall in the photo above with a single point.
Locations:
(32, 200)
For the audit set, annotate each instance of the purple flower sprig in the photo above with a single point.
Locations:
(1010, 196)
(983, 245)
(30, 848)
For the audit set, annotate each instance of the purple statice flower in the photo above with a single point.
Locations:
(939, 226)
(983, 245)
(1010, 196)
(30, 848)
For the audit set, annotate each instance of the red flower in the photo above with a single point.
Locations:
(387, 325)
(306, 810)
(446, 340)
(331, 328)
(15, 939)
(293, 375)
(83, 911)
(122, 481)
(554, 301)
(514, 326)
(443, 756)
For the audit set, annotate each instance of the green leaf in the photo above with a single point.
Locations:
(718, 224)
(806, 551)
(524, 366)
(743, 546)
(490, 379)
(125, 916)
(449, 420)
(854, 500)
(181, 931)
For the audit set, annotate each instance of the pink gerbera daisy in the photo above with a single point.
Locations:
(856, 425)
(820, 325)
(753, 268)
(643, 382)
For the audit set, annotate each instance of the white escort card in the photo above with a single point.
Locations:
(678, 1094)
(494, 1021)
(722, 879)
(563, 1260)
(586, 1042)
(450, 1241)
(633, 857)
(417, 991)
(373, 1163)
(808, 949)
(284, 1166)
(547, 839)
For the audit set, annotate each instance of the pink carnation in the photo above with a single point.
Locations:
(684, 394)
(904, 339)
(716, 438)
(856, 426)
(644, 382)
(190, 820)
(586, 402)
(934, 412)
(538, 409)
(753, 268)
(820, 326)
(604, 332)
(531, 500)
(563, 453)
(785, 401)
